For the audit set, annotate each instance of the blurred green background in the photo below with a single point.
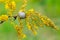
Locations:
(50, 8)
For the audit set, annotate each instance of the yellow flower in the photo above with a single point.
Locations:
(31, 10)
(6, 6)
(4, 17)
(23, 35)
(13, 4)
(29, 26)
(10, 5)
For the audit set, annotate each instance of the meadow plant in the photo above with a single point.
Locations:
(32, 18)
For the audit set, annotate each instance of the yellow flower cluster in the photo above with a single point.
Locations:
(3, 17)
(23, 6)
(47, 21)
(19, 30)
(30, 27)
(10, 5)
